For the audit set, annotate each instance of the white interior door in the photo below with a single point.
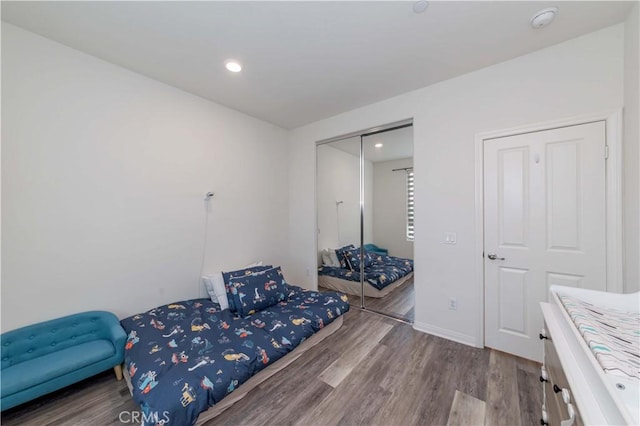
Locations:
(544, 224)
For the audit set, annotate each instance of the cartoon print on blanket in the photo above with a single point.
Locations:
(202, 354)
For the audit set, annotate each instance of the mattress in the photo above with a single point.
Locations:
(187, 356)
(612, 335)
(263, 375)
(353, 287)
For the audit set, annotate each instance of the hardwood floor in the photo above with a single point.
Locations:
(398, 303)
(372, 371)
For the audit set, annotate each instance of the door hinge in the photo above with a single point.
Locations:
(606, 152)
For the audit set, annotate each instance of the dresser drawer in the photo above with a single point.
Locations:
(554, 415)
(558, 398)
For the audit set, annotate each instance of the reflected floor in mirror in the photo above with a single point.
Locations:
(399, 303)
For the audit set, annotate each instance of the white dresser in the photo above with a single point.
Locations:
(576, 391)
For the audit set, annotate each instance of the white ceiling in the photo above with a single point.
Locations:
(396, 144)
(305, 61)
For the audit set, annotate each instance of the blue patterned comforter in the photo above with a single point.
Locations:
(384, 271)
(187, 356)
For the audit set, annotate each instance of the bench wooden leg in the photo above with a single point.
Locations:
(118, 371)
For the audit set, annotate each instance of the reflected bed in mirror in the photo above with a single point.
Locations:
(388, 280)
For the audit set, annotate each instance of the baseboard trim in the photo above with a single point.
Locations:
(465, 339)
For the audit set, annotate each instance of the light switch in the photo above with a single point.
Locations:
(449, 237)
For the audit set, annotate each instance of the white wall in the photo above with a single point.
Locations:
(390, 207)
(339, 180)
(103, 177)
(580, 76)
(631, 150)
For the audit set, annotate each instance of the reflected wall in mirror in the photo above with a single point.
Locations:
(383, 164)
(338, 193)
(338, 205)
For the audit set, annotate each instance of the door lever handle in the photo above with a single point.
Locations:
(494, 256)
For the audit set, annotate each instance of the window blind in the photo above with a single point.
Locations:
(410, 209)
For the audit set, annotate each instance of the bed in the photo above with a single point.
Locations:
(187, 356)
(383, 274)
(591, 371)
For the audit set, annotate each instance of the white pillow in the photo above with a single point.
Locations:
(326, 259)
(335, 262)
(214, 284)
(330, 258)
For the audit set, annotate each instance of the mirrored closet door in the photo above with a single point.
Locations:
(338, 212)
(367, 252)
(390, 189)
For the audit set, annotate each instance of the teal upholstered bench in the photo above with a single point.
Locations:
(41, 358)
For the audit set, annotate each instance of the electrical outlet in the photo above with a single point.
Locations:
(453, 304)
(308, 272)
(450, 238)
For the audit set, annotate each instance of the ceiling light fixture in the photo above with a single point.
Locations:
(420, 6)
(378, 145)
(543, 17)
(233, 65)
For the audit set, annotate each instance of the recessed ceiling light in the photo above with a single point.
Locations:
(420, 6)
(544, 17)
(378, 145)
(233, 65)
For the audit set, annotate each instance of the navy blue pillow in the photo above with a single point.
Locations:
(341, 255)
(370, 258)
(352, 257)
(257, 291)
(226, 276)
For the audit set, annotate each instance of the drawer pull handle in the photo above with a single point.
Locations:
(572, 416)
(543, 375)
(544, 419)
(556, 389)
